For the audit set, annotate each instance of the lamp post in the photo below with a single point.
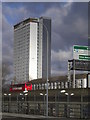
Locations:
(9, 99)
(41, 94)
(4, 102)
(68, 102)
(47, 66)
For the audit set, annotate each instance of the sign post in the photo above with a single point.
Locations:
(80, 53)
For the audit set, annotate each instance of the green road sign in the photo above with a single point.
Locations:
(82, 47)
(81, 52)
(84, 57)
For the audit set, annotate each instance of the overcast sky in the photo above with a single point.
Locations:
(69, 27)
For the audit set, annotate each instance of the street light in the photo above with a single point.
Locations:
(26, 94)
(68, 100)
(41, 94)
(5, 94)
(9, 94)
(47, 66)
(72, 94)
(25, 91)
(9, 99)
(63, 91)
(21, 94)
(66, 94)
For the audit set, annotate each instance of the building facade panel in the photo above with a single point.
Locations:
(21, 56)
(46, 22)
(33, 52)
(30, 49)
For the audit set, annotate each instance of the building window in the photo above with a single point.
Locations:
(45, 85)
(39, 86)
(48, 85)
(34, 87)
(55, 85)
(42, 86)
(66, 84)
(62, 84)
(58, 85)
(51, 85)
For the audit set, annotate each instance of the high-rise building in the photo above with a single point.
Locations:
(30, 49)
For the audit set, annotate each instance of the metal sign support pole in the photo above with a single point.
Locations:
(69, 76)
(73, 78)
(73, 73)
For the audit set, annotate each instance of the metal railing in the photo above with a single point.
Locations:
(56, 109)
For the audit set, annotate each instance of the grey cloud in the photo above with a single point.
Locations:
(70, 31)
(59, 69)
(7, 32)
(7, 45)
(62, 55)
(15, 14)
(59, 61)
(69, 27)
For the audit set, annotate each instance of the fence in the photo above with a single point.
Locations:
(57, 109)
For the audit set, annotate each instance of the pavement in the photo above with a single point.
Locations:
(13, 116)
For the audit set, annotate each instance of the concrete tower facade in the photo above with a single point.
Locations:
(30, 49)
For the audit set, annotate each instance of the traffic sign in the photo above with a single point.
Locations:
(81, 52)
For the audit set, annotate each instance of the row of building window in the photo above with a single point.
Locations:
(21, 57)
(58, 85)
(21, 52)
(22, 42)
(21, 35)
(22, 77)
(21, 61)
(52, 85)
(19, 67)
(21, 38)
(22, 28)
(25, 65)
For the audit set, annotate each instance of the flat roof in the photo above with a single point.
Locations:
(59, 78)
(25, 22)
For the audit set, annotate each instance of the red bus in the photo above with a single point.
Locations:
(21, 87)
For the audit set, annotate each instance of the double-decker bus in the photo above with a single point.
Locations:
(21, 87)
